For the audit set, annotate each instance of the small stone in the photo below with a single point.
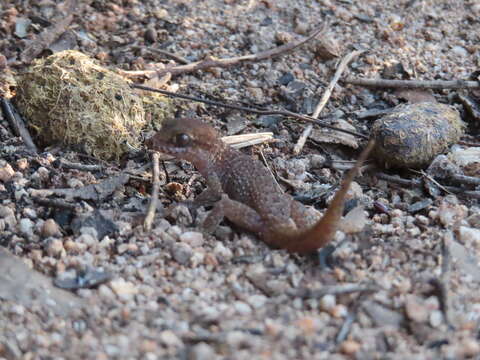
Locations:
(306, 324)
(6, 172)
(30, 213)
(242, 308)
(469, 235)
(222, 253)
(151, 35)
(460, 51)
(25, 226)
(22, 164)
(202, 351)
(89, 230)
(317, 161)
(355, 221)
(54, 247)
(88, 240)
(469, 348)
(257, 301)
(124, 290)
(74, 183)
(50, 228)
(415, 309)
(236, 339)
(6, 212)
(182, 253)
(169, 338)
(192, 238)
(339, 311)
(350, 347)
(327, 302)
(436, 318)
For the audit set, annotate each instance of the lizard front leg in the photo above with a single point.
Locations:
(238, 213)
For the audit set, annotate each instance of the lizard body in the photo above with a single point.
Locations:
(245, 192)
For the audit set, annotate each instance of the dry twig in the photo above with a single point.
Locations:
(285, 113)
(325, 97)
(328, 92)
(211, 62)
(335, 290)
(152, 206)
(17, 125)
(414, 84)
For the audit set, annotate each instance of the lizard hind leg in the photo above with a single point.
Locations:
(238, 213)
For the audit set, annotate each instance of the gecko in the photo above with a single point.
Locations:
(244, 191)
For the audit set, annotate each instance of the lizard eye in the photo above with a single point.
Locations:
(182, 140)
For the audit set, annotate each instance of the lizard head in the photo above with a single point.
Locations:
(185, 138)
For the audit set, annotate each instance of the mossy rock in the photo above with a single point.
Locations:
(68, 98)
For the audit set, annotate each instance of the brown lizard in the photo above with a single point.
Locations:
(245, 191)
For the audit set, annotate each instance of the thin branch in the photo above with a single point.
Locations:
(17, 125)
(419, 184)
(78, 166)
(325, 97)
(152, 206)
(302, 140)
(336, 290)
(414, 84)
(328, 92)
(165, 53)
(224, 63)
(285, 113)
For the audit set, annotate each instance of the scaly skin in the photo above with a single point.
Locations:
(245, 192)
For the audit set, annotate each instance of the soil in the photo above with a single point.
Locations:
(405, 286)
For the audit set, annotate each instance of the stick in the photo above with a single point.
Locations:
(325, 97)
(165, 53)
(414, 84)
(78, 166)
(49, 35)
(419, 183)
(335, 290)
(17, 125)
(302, 140)
(152, 206)
(224, 63)
(328, 92)
(285, 113)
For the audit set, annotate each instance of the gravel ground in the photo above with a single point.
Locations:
(176, 293)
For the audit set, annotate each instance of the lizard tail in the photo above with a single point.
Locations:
(324, 230)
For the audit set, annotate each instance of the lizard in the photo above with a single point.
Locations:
(245, 192)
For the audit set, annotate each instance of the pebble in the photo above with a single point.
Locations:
(124, 290)
(54, 247)
(30, 213)
(50, 228)
(469, 235)
(415, 309)
(182, 253)
(6, 172)
(169, 338)
(257, 301)
(350, 347)
(339, 311)
(469, 348)
(327, 302)
(192, 238)
(242, 308)
(436, 318)
(25, 226)
(88, 240)
(202, 351)
(222, 253)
